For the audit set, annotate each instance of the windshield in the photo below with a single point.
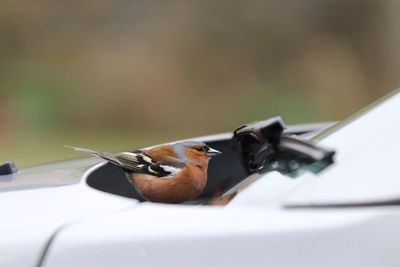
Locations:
(366, 163)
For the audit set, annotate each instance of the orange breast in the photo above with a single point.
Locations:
(184, 186)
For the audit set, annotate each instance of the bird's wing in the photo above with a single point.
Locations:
(133, 161)
(104, 155)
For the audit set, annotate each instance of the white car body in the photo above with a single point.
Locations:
(345, 216)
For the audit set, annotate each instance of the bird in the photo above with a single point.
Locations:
(169, 173)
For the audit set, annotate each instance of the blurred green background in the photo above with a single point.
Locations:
(111, 75)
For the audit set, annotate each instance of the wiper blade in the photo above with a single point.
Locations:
(264, 147)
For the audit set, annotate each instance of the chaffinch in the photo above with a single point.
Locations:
(171, 173)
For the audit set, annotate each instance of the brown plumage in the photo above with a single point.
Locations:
(167, 173)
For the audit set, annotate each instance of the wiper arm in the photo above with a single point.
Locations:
(264, 147)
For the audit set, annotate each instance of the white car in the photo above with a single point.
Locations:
(84, 212)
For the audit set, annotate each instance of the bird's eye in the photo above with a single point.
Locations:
(201, 149)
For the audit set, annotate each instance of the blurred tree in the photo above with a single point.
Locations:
(38, 102)
(182, 68)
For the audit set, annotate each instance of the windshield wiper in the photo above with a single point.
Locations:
(264, 147)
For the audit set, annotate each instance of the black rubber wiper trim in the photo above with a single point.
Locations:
(264, 147)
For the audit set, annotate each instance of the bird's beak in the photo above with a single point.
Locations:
(213, 152)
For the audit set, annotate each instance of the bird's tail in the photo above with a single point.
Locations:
(104, 155)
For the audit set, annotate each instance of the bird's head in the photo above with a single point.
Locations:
(194, 151)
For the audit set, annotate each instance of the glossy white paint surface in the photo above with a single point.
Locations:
(157, 236)
(29, 218)
(366, 168)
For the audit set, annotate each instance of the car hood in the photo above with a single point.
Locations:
(59, 197)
